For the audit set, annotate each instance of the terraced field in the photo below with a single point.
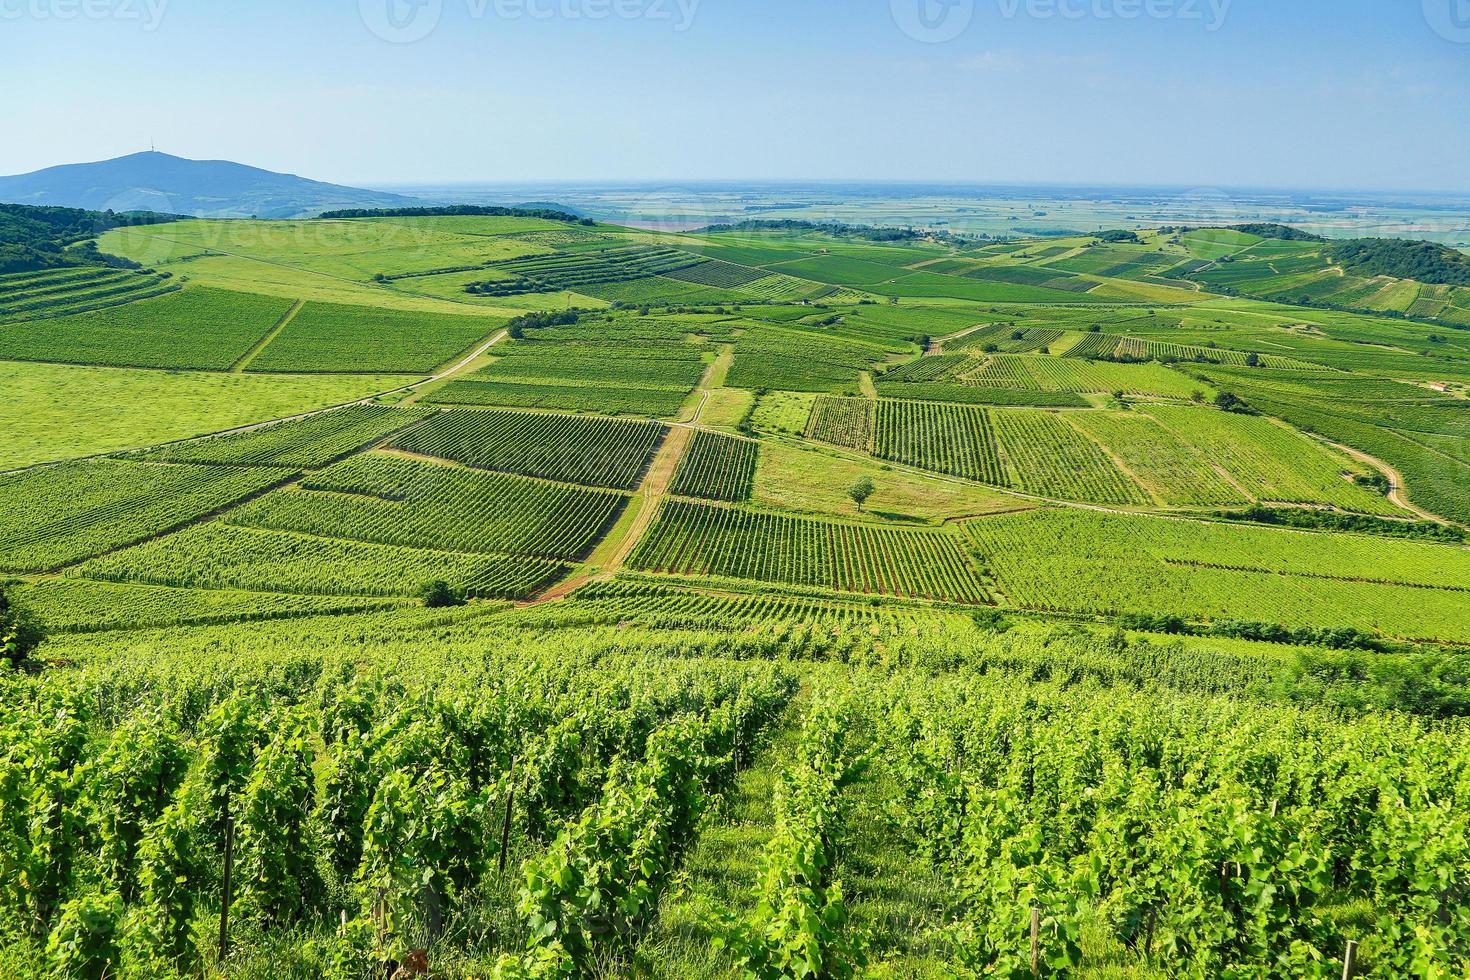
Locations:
(59, 292)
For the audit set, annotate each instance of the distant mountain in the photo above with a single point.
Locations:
(208, 188)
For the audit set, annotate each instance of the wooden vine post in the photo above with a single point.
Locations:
(224, 908)
(1035, 942)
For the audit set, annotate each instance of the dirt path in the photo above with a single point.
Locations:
(1395, 479)
(611, 554)
(471, 362)
(625, 535)
(239, 366)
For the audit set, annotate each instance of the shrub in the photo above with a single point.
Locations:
(438, 595)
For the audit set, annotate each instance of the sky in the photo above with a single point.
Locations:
(1332, 94)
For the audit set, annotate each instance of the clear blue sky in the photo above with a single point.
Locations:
(1295, 93)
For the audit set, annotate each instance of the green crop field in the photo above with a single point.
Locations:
(1088, 562)
(55, 516)
(702, 539)
(218, 556)
(768, 600)
(54, 412)
(76, 605)
(389, 500)
(569, 448)
(566, 396)
(1047, 455)
(953, 439)
(195, 328)
(717, 467)
(306, 443)
(330, 338)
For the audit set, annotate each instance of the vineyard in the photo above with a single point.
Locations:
(74, 605)
(330, 337)
(729, 791)
(220, 556)
(842, 422)
(567, 448)
(565, 396)
(791, 360)
(582, 268)
(1118, 348)
(1108, 564)
(56, 516)
(716, 467)
(60, 292)
(954, 439)
(390, 500)
(195, 328)
(700, 539)
(935, 614)
(307, 443)
(1048, 456)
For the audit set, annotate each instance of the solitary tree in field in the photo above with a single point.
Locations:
(861, 491)
(1229, 401)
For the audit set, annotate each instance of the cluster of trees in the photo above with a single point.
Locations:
(1329, 520)
(1117, 235)
(1403, 259)
(461, 210)
(18, 634)
(1261, 229)
(870, 233)
(34, 238)
(543, 318)
(1331, 637)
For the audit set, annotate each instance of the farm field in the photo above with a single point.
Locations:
(759, 594)
(53, 412)
(1087, 562)
(568, 448)
(196, 328)
(328, 338)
